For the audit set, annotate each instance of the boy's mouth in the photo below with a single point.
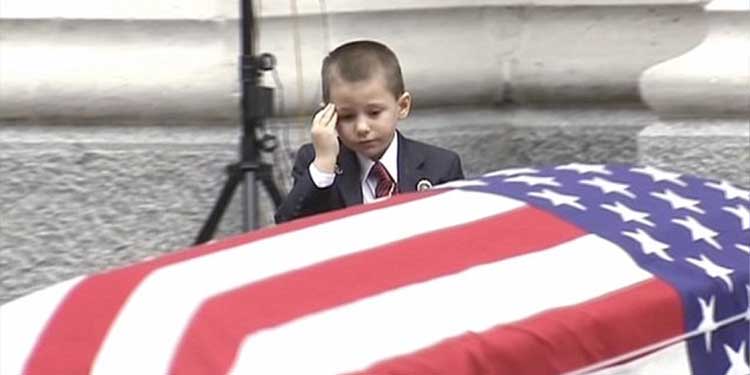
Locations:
(368, 143)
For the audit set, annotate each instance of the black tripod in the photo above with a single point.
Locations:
(257, 104)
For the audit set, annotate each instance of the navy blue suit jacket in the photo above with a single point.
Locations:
(416, 161)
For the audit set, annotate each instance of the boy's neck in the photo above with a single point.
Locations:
(392, 143)
(389, 157)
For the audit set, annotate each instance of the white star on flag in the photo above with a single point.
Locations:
(737, 364)
(741, 212)
(627, 214)
(512, 172)
(730, 191)
(558, 199)
(660, 175)
(744, 248)
(585, 168)
(609, 187)
(460, 184)
(698, 231)
(649, 245)
(713, 270)
(708, 323)
(677, 202)
(534, 180)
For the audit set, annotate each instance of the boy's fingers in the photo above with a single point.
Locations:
(316, 117)
(329, 112)
(320, 115)
(334, 120)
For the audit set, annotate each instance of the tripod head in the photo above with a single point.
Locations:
(257, 104)
(265, 62)
(257, 101)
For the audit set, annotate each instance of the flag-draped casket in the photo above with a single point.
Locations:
(565, 269)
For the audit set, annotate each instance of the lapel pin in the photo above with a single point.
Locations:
(424, 184)
(338, 170)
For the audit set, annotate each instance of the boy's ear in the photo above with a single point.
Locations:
(404, 105)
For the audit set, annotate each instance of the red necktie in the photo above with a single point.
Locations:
(386, 186)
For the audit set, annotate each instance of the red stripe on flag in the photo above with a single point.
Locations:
(74, 334)
(216, 331)
(556, 341)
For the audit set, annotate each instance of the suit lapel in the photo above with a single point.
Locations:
(349, 184)
(410, 163)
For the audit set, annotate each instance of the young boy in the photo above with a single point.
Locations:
(356, 155)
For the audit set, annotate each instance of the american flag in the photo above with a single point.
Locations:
(578, 268)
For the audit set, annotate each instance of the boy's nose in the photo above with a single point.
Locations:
(362, 126)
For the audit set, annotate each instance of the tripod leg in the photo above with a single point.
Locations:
(209, 228)
(267, 178)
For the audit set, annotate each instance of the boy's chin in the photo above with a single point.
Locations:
(372, 154)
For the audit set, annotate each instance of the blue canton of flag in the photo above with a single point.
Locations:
(690, 232)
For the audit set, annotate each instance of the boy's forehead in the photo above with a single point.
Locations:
(338, 79)
(372, 88)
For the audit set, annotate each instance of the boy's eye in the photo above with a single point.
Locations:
(375, 113)
(345, 117)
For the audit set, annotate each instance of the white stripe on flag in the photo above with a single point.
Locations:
(153, 319)
(354, 336)
(22, 321)
(673, 360)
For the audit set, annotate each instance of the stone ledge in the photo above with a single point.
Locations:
(488, 56)
(228, 9)
(115, 137)
(728, 5)
(277, 9)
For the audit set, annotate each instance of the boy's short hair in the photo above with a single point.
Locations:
(361, 60)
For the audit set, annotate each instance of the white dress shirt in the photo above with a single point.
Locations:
(389, 161)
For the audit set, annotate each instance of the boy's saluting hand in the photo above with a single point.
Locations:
(325, 138)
